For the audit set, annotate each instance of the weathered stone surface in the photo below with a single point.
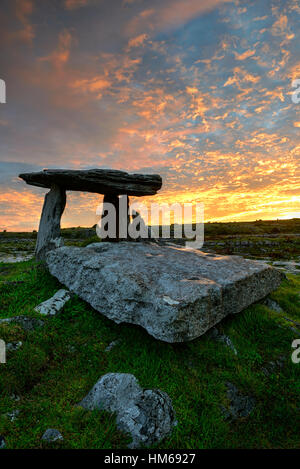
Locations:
(215, 334)
(273, 305)
(55, 304)
(147, 415)
(51, 435)
(49, 230)
(101, 181)
(240, 405)
(174, 293)
(2, 442)
(28, 324)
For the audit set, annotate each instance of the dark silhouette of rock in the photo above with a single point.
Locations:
(100, 181)
(110, 182)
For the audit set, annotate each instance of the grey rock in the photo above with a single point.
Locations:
(13, 346)
(225, 339)
(112, 345)
(176, 294)
(55, 304)
(273, 366)
(100, 181)
(13, 415)
(240, 405)
(273, 305)
(28, 324)
(48, 237)
(147, 415)
(51, 435)
(2, 442)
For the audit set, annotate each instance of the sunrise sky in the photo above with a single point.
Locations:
(198, 91)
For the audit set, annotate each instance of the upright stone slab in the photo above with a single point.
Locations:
(49, 230)
(174, 293)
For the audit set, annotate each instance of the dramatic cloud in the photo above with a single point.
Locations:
(198, 91)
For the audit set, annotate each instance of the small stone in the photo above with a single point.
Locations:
(28, 324)
(240, 405)
(271, 367)
(112, 345)
(2, 442)
(147, 415)
(216, 335)
(51, 435)
(13, 346)
(273, 305)
(55, 304)
(13, 415)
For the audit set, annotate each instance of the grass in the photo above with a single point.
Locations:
(59, 363)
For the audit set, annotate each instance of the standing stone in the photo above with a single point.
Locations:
(49, 229)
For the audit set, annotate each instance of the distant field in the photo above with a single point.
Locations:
(273, 239)
(258, 227)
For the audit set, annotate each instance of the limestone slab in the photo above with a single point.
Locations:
(176, 294)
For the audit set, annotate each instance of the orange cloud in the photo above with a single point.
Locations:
(245, 55)
(23, 11)
(170, 14)
(95, 85)
(137, 41)
(61, 55)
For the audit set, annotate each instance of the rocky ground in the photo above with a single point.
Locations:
(234, 387)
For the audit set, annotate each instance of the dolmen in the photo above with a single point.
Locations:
(109, 182)
(175, 293)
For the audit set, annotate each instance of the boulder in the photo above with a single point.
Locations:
(51, 435)
(176, 294)
(147, 415)
(55, 304)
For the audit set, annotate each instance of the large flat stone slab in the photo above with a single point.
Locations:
(100, 181)
(174, 293)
